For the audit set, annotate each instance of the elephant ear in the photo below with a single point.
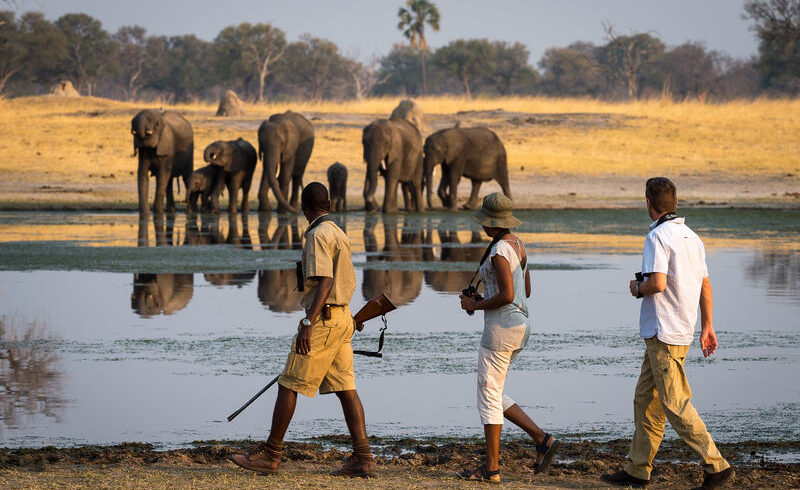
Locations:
(166, 142)
(232, 158)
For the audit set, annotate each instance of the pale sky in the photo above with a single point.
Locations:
(369, 27)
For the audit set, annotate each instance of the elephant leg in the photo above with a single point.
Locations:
(170, 196)
(233, 192)
(390, 195)
(219, 187)
(162, 179)
(245, 198)
(143, 188)
(405, 187)
(442, 191)
(453, 181)
(473, 196)
(297, 186)
(284, 181)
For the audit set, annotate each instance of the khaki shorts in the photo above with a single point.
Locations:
(328, 367)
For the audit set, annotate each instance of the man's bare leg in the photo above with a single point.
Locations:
(361, 462)
(267, 458)
(285, 404)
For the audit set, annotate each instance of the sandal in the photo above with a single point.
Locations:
(479, 474)
(547, 451)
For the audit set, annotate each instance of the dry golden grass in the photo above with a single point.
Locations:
(79, 150)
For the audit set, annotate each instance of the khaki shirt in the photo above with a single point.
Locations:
(326, 253)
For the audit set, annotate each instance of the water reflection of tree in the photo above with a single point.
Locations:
(30, 379)
(780, 269)
(403, 286)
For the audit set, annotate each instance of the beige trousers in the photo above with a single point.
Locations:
(663, 393)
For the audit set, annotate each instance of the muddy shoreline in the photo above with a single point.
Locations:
(403, 462)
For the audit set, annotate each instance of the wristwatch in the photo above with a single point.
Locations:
(305, 322)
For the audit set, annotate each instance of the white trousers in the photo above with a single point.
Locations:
(492, 371)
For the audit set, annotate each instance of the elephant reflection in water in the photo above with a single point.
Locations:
(239, 239)
(455, 281)
(780, 269)
(156, 294)
(277, 288)
(30, 379)
(403, 286)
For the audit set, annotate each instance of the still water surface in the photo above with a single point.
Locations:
(114, 330)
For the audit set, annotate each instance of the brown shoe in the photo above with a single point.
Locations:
(622, 479)
(264, 460)
(360, 465)
(716, 480)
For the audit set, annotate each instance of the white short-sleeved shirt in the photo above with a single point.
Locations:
(674, 249)
(505, 328)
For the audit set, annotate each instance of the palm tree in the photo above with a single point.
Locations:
(412, 23)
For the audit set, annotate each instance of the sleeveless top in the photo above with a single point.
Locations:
(505, 328)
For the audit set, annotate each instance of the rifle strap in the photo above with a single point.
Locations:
(377, 353)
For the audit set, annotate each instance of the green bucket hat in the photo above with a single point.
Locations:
(496, 212)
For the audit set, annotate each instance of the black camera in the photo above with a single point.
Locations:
(640, 278)
(472, 292)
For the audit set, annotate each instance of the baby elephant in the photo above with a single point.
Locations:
(237, 161)
(202, 184)
(337, 185)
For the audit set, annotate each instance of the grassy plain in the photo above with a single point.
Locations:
(58, 152)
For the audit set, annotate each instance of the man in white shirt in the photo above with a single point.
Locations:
(676, 281)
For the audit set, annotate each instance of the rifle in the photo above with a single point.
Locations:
(378, 306)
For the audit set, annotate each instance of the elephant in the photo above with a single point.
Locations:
(475, 153)
(164, 143)
(393, 148)
(285, 142)
(202, 184)
(155, 294)
(337, 186)
(237, 161)
(403, 286)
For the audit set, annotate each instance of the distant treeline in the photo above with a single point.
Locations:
(258, 62)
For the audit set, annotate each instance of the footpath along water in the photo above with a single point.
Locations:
(117, 331)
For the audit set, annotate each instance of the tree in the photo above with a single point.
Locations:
(625, 57)
(89, 48)
(180, 65)
(510, 66)
(399, 72)
(571, 71)
(466, 60)
(250, 49)
(132, 42)
(412, 23)
(777, 24)
(46, 46)
(12, 49)
(314, 66)
(690, 70)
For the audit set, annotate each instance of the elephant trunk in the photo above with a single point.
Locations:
(270, 169)
(427, 179)
(373, 159)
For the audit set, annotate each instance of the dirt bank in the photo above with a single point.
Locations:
(401, 464)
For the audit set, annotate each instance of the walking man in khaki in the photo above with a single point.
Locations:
(321, 357)
(676, 281)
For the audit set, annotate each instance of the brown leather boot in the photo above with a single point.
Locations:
(360, 463)
(266, 459)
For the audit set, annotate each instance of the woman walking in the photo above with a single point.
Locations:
(507, 283)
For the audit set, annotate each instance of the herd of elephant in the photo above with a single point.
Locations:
(155, 294)
(393, 149)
